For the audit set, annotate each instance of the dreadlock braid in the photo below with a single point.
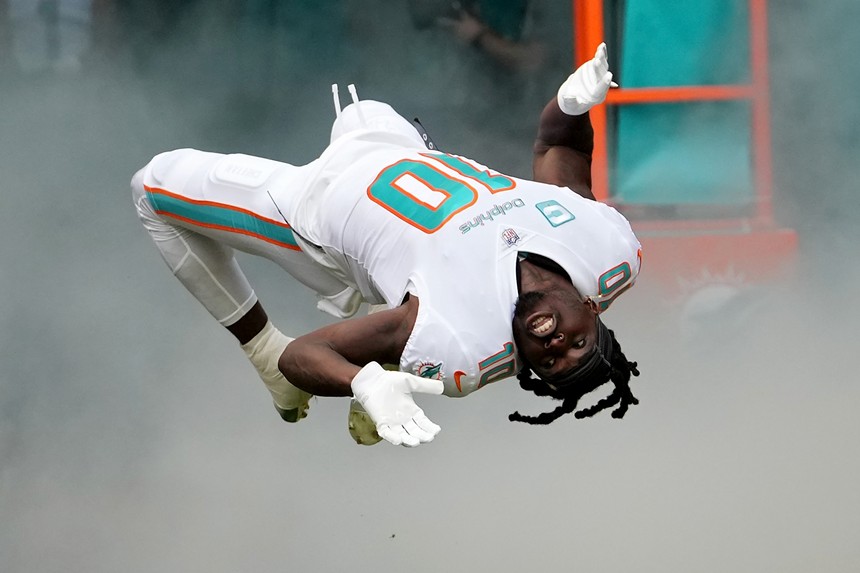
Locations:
(619, 375)
(566, 407)
(540, 388)
(610, 400)
(530, 384)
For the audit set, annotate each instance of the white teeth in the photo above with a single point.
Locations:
(543, 325)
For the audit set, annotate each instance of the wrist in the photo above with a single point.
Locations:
(364, 378)
(568, 104)
(266, 345)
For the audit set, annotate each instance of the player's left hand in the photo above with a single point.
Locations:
(387, 397)
(587, 86)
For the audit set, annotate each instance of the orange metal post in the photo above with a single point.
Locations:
(761, 109)
(677, 94)
(753, 246)
(588, 20)
(589, 34)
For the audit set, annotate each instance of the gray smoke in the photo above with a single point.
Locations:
(134, 435)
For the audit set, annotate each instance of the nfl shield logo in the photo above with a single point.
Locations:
(510, 236)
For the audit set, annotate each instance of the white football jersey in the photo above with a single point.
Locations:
(389, 217)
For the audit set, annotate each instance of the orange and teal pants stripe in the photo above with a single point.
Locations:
(222, 217)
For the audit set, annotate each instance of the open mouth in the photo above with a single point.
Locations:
(541, 324)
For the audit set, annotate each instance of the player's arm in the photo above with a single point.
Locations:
(344, 359)
(565, 140)
(562, 150)
(325, 361)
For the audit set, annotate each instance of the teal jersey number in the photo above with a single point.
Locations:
(495, 183)
(612, 283)
(425, 196)
(498, 366)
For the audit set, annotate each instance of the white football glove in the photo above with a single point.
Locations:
(587, 86)
(263, 351)
(387, 397)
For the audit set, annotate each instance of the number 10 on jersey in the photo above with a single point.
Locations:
(424, 195)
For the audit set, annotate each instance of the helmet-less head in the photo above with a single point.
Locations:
(565, 349)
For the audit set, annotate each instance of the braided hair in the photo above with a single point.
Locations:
(618, 372)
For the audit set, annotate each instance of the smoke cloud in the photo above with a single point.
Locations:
(134, 435)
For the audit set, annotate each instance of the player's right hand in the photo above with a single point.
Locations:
(587, 86)
(387, 397)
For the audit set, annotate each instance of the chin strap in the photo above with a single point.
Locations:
(595, 367)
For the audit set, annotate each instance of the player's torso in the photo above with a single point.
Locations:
(447, 230)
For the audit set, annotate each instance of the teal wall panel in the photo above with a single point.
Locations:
(692, 153)
(684, 43)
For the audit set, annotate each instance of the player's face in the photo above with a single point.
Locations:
(554, 330)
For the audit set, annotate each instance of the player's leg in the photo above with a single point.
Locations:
(196, 237)
(226, 198)
(206, 267)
